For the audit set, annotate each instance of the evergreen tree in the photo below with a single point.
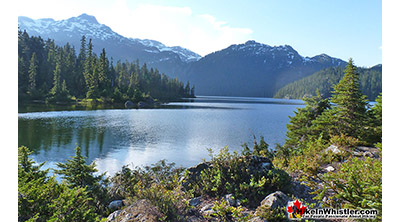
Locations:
(103, 71)
(187, 89)
(350, 104)
(373, 134)
(33, 71)
(55, 91)
(77, 174)
(192, 92)
(301, 125)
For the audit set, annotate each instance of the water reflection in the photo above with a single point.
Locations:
(116, 137)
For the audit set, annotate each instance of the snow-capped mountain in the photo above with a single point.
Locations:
(254, 69)
(249, 69)
(117, 46)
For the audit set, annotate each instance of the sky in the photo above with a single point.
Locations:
(339, 28)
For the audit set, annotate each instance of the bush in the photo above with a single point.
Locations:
(224, 212)
(234, 174)
(42, 198)
(158, 183)
(356, 185)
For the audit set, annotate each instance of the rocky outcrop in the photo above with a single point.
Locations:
(141, 210)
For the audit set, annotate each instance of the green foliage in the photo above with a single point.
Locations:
(224, 212)
(43, 68)
(158, 183)
(42, 198)
(277, 214)
(301, 127)
(324, 80)
(374, 123)
(348, 123)
(356, 185)
(77, 174)
(73, 204)
(350, 109)
(234, 174)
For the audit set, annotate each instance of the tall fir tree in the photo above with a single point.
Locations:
(350, 106)
(33, 72)
(55, 91)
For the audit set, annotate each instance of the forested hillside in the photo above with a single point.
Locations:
(370, 83)
(59, 74)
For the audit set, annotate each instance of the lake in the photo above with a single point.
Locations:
(178, 132)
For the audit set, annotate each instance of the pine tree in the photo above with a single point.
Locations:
(187, 89)
(33, 71)
(192, 92)
(350, 104)
(103, 71)
(55, 91)
(77, 174)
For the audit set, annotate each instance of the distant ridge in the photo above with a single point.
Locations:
(248, 69)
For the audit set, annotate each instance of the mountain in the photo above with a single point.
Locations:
(253, 69)
(249, 69)
(370, 83)
(154, 53)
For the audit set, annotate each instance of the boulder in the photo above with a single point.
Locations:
(142, 104)
(275, 200)
(141, 210)
(116, 204)
(129, 104)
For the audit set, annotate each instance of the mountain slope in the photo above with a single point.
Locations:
(370, 83)
(249, 69)
(253, 69)
(154, 53)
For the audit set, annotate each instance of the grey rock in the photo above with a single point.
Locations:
(195, 201)
(142, 104)
(113, 216)
(129, 104)
(207, 209)
(116, 204)
(275, 200)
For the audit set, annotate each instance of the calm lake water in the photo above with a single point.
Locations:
(178, 132)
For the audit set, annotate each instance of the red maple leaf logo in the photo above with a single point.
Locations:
(290, 209)
(297, 203)
(295, 209)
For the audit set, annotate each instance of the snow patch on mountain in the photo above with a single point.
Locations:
(89, 26)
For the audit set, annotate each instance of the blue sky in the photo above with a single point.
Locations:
(339, 28)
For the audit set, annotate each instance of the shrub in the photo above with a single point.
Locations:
(224, 212)
(234, 174)
(356, 185)
(158, 183)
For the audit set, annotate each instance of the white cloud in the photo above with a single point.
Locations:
(174, 26)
